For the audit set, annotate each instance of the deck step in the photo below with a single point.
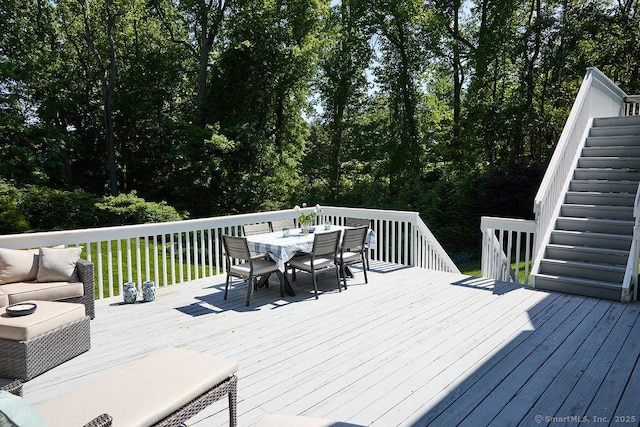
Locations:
(600, 131)
(613, 151)
(598, 198)
(587, 254)
(590, 239)
(616, 121)
(625, 140)
(582, 270)
(604, 186)
(609, 226)
(620, 174)
(609, 162)
(572, 285)
(594, 211)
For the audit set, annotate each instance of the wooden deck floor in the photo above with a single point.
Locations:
(412, 348)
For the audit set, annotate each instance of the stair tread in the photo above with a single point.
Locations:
(588, 249)
(600, 192)
(598, 220)
(595, 233)
(592, 206)
(583, 264)
(579, 281)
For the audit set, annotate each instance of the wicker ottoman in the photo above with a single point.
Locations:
(33, 344)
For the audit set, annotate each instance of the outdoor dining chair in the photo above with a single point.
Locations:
(352, 250)
(323, 257)
(246, 267)
(253, 229)
(279, 225)
(359, 222)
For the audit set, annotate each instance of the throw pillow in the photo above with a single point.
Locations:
(15, 411)
(58, 265)
(18, 265)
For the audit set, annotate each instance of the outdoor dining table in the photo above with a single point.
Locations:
(282, 248)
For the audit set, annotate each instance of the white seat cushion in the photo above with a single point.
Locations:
(48, 291)
(304, 263)
(351, 257)
(143, 392)
(260, 267)
(48, 316)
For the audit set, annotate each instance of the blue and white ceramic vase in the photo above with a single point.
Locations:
(130, 293)
(149, 291)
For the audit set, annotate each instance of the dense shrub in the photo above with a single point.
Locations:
(11, 219)
(131, 209)
(47, 209)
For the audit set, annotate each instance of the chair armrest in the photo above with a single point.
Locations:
(14, 387)
(85, 273)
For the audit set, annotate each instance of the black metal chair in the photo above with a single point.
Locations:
(247, 268)
(352, 251)
(359, 222)
(323, 257)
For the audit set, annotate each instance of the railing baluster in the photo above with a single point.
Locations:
(156, 266)
(165, 278)
(172, 254)
(109, 268)
(99, 268)
(139, 279)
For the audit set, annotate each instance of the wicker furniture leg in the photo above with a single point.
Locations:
(229, 387)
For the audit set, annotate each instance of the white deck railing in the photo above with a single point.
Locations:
(598, 97)
(174, 252)
(507, 242)
(630, 280)
(632, 105)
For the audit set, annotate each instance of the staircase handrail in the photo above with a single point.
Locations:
(598, 97)
(631, 272)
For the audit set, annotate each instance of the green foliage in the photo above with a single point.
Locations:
(48, 209)
(226, 107)
(11, 219)
(131, 209)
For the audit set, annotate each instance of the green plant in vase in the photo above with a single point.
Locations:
(307, 219)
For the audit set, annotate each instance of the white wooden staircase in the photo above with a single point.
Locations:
(589, 246)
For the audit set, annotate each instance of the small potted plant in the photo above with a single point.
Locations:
(307, 219)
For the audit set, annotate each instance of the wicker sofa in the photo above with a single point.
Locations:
(164, 388)
(20, 278)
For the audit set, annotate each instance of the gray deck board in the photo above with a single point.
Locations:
(411, 348)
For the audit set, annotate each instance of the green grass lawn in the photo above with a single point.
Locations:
(473, 268)
(104, 255)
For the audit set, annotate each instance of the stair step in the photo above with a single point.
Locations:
(612, 151)
(627, 141)
(614, 130)
(572, 285)
(602, 199)
(587, 254)
(582, 270)
(604, 186)
(619, 174)
(609, 226)
(616, 121)
(609, 162)
(593, 211)
(591, 239)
